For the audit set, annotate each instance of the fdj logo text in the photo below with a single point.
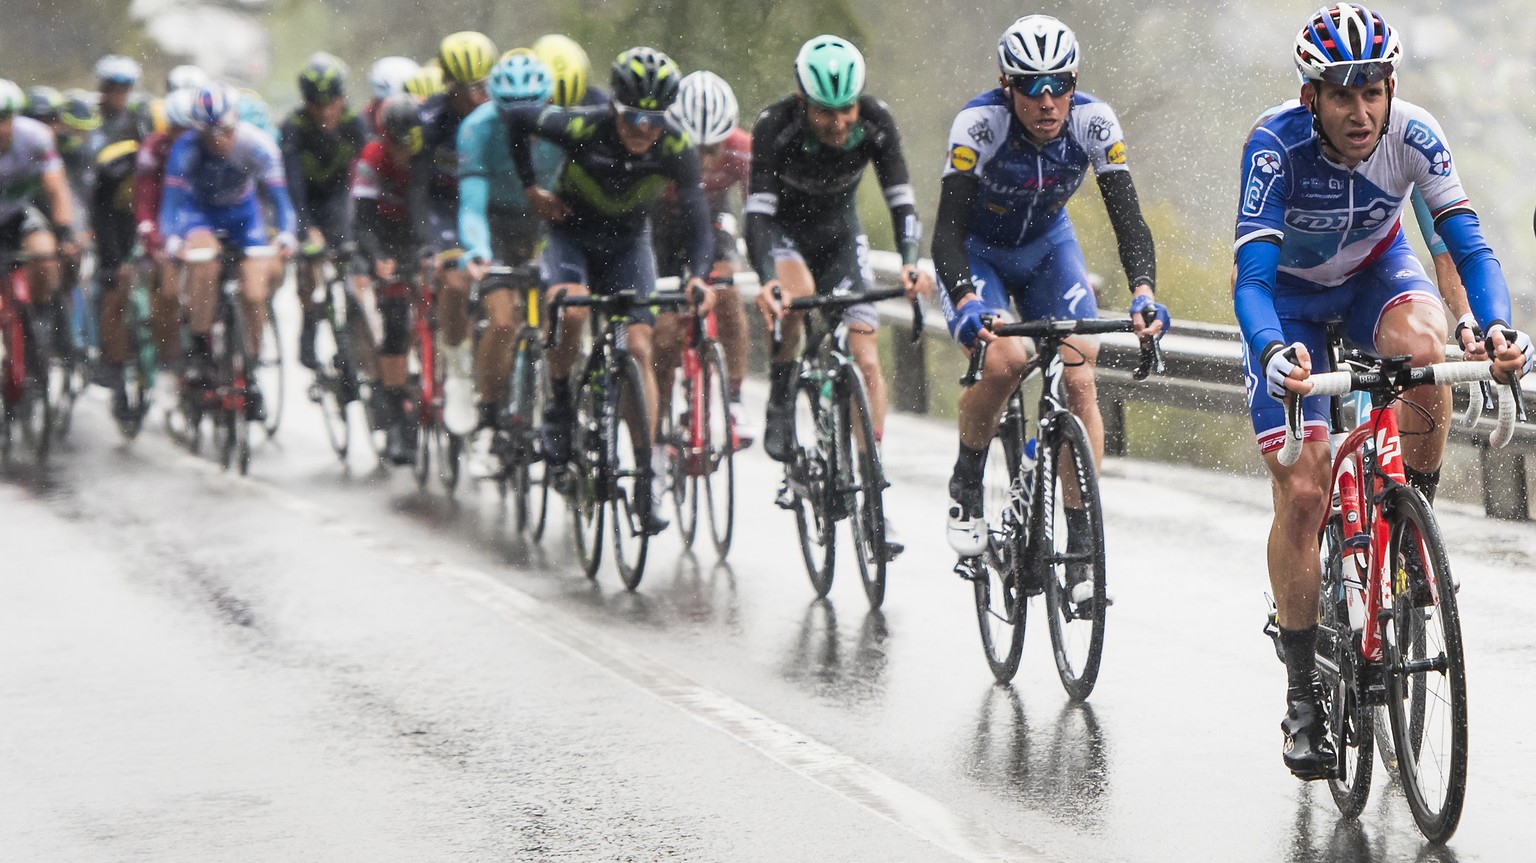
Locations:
(1366, 218)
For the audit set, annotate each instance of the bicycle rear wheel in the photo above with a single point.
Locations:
(1424, 666)
(526, 400)
(589, 478)
(629, 471)
(1001, 607)
(861, 483)
(676, 434)
(811, 485)
(332, 387)
(271, 374)
(718, 458)
(1339, 665)
(1071, 562)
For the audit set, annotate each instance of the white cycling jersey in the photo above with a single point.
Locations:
(32, 154)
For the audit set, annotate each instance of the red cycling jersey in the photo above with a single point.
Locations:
(148, 179)
(382, 180)
(730, 169)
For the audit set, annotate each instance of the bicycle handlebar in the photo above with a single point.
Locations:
(1383, 377)
(1059, 330)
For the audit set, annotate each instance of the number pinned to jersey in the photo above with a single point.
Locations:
(1114, 154)
(962, 158)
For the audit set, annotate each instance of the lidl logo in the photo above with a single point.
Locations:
(1115, 155)
(962, 158)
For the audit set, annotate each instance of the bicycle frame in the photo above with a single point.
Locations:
(1380, 452)
(14, 298)
(700, 333)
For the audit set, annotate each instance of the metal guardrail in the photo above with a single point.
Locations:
(1204, 373)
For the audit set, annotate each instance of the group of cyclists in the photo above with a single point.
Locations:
(479, 157)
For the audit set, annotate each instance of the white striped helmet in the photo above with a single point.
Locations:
(1035, 45)
(705, 108)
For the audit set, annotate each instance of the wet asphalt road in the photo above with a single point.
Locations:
(322, 663)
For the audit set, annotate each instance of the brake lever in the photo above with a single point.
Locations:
(978, 356)
(555, 313)
(1152, 359)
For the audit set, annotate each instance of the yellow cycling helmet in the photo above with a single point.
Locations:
(569, 65)
(516, 52)
(467, 57)
(426, 82)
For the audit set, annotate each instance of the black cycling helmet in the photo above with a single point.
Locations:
(44, 104)
(645, 79)
(400, 120)
(323, 80)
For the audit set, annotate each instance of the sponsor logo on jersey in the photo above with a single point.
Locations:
(980, 131)
(1365, 218)
(1404, 273)
(1419, 136)
(1099, 129)
(1263, 170)
(1115, 153)
(962, 158)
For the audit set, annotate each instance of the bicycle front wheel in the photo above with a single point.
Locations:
(1350, 720)
(1424, 666)
(860, 483)
(810, 482)
(332, 386)
(1069, 553)
(271, 373)
(526, 400)
(629, 471)
(1001, 606)
(588, 472)
(675, 432)
(718, 458)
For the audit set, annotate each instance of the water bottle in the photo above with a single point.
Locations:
(1352, 560)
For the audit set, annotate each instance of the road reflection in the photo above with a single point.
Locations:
(818, 663)
(1320, 835)
(1060, 769)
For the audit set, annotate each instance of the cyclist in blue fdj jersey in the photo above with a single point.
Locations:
(619, 159)
(495, 221)
(321, 141)
(1016, 154)
(210, 199)
(1318, 242)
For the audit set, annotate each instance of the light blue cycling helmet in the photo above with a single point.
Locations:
(520, 77)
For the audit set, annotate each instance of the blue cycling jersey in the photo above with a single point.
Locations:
(488, 178)
(198, 184)
(1331, 222)
(1025, 187)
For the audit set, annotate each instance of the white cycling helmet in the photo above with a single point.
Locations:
(705, 108)
(1349, 45)
(1037, 45)
(186, 77)
(178, 107)
(12, 100)
(117, 69)
(388, 75)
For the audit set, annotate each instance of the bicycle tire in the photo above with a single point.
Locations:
(1001, 606)
(243, 369)
(862, 482)
(34, 410)
(808, 477)
(332, 365)
(1077, 628)
(365, 373)
(676, 433)
(526, 397)
(140, 370)
(421, 470)
(1339, 665)
(588, 474)
(450, 447)
(719, 462)
(64, 369)
(272, 372)
(1425, 666)
(629, 474)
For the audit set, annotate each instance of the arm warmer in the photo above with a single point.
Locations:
(1487, 292)
(1253, 297)
(1137, 254)
(957, 205)
(365, 221)
(293, 169)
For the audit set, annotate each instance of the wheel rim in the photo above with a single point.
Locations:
(1064, 559)
(719, 454)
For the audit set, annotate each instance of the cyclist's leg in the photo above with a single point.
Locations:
(165, 310)
(38, 243)
(863, 326)
(795, 281)
(1398, 313)
(513, 239)
(1060, 288)
(114, 243)
(667, 355)
(631, 266)
(563, 268)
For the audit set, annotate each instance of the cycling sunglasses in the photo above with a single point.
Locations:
(1358, 74)
(645, 121)
(1054, 83)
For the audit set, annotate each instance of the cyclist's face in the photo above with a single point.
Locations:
(638, 137)
(219, 141)
(7, 122)
(114, 98)
(326, 116)
(1043, 116)
(709, 157)
(467, 97)
(832, 126)
(1351, 117)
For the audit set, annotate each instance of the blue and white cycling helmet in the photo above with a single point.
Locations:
(1037, 45)
(117, 69)
(214, 107)
(520, 76)
(1348, 45)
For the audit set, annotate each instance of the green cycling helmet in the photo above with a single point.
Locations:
(831, 72)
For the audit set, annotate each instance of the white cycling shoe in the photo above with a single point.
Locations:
(460, 416)
(742, 426)
(967, 535)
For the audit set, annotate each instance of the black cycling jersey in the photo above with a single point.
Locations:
(318, 164)
(440, 142)
(609, 189)
(808, 188)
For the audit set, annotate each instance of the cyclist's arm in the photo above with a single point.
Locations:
(683, 169)
(474, 230)
(56, 185)
(146, 193)
(551, 124)
(891, 170)
(762, 204)
(1452, 291)
(957, 206)
(176, 192)
(365, 224)
(293, 172)
(1265, 187)
(417, 198)
(275, 185)
(1137, 253)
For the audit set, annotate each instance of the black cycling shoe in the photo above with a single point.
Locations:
(487, 416)
(1308, 752)
(397, 449)
(779, 432)
(557, 432)
(255, 406)
(652, 523)
(307, 327)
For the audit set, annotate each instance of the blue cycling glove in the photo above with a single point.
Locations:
(967, 323)
(1142, 302)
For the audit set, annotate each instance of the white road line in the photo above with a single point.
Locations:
(902, 805)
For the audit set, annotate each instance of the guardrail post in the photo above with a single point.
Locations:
(909, 388)
(1113, 412)
(1504, 483)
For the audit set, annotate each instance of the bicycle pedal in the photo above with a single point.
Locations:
(969, 568)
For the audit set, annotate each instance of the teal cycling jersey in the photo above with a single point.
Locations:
(488, 178)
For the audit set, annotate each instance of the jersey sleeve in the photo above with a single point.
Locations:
(366, 184)
(1430, 165)
(895, 183)
(1265, 186)
(474, 161)
(1099, 131)
(973, 138)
